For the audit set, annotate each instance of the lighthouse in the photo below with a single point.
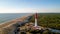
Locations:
(35, 24)
(36, 16)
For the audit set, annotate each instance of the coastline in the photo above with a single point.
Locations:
(15, 20)
(10, 27)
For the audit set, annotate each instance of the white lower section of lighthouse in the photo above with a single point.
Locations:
(35, 22)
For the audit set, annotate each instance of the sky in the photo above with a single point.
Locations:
(29, 6)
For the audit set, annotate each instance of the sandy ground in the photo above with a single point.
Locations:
(12, 22)
(8, 28)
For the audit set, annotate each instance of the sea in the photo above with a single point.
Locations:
(4, 17)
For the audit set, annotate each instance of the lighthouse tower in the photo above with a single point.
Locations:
(36, 16)
(35, 24)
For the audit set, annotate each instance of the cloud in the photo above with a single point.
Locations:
(28, 10)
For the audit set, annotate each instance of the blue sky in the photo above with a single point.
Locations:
(30, 5)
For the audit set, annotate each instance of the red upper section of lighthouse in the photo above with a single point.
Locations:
(36, 15)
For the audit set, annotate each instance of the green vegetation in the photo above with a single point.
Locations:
(48, 20)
